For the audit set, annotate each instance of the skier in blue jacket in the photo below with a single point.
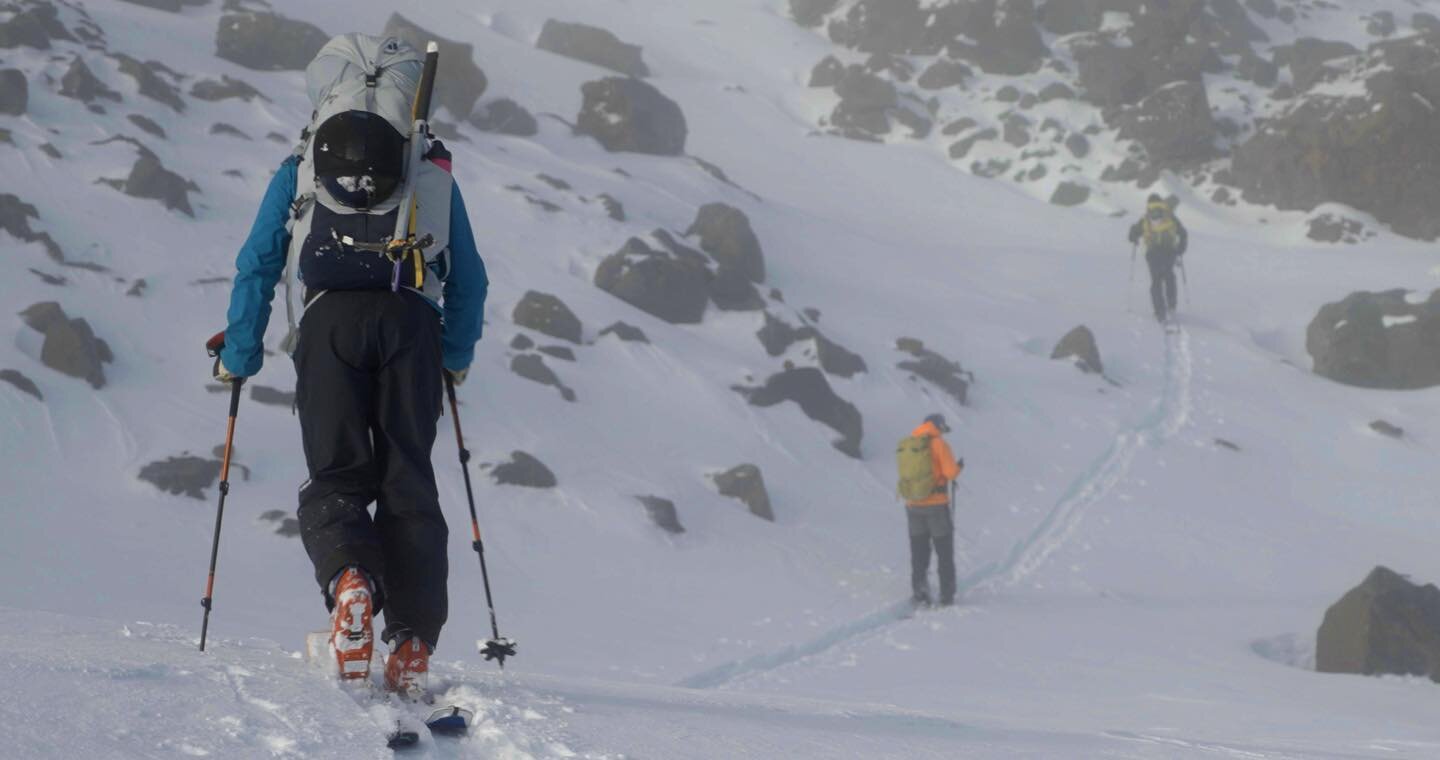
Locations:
(369, 388)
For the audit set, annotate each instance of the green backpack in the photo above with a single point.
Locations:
(917, 468)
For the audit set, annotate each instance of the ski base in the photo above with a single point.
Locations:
(452, 721)
(402, 738)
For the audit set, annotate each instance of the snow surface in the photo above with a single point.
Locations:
(1131, 589)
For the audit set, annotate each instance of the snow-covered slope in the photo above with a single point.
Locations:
(1123, 573)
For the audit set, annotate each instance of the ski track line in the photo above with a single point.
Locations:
(1028, 555)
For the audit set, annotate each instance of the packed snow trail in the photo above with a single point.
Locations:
(1028, 555)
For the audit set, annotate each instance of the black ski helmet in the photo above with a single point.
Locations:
(938, 420)
(359, 158)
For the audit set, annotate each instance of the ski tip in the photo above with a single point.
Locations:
(432, 47)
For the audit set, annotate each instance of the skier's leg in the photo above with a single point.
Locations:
(1157, 278)
(408, 519)
(943, 536)
(919, 556)
(334, 395)
(1172, 298)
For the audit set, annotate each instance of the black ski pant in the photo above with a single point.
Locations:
(368, 392)
(932, 527)
(1163, 289)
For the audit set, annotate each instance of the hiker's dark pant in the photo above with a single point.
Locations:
(368, 391)
(1163, 290)
(932, 526)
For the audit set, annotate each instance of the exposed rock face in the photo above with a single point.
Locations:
(1386, 625)
(18, 379)
(662, 513)
(944, 73)
(70, 346)
(746, 483)
(14, 92)
(1079, 344)
(1070, 194)
(1329, 228)
(183, 475)
(930, 366)
(1373, 151)
(1007, 38)
(592, 45)
(532, 367)
(15, 216)
(505, 117)
(778, 336)
(810, 13)
(807, 387)
(459, 82)
(523, 470)
(726, 235)
(80, 83)
(150, 179)
(827, 73)
(667, 285)
(866, 103)
(224, 89)
(35, 25)
(1378, 340)
(628, 115)
(626, 333)
(1308, 59)
(548, 315)
(150, 77)
(1174, 124)
(268, 41)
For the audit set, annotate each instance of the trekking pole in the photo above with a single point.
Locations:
(499, 647)
(213, 347)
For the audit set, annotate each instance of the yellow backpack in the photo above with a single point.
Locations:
(916, 467)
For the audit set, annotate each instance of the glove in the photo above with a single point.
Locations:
(221, 374)
(457, 376)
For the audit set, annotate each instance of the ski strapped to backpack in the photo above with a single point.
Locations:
(401, 239)
(916, 466)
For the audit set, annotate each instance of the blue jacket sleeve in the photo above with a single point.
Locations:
(465, 290)
(259, 267)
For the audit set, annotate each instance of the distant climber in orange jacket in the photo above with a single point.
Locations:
(927, 468)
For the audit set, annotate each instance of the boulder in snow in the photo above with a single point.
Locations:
(548, 315)
(1173, 124)
(523, 470)
(930, 366)
(70, 346)
(725, 233)
(746, 483)
(268, 41)
(33, 25)
(225, 88)
(505, 117)
(18, 379)
(532, 367)
(80, 83)
(149, 179)
(1079, 344)
(631, 116)
(183, 475)
(662, 513)
(1386, 625)
(592, 45)
(671, 286)
(808, 388)
(14, 92)
(626, 333)
(1378, 340)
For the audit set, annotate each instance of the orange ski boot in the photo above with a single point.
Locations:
(352, 636)
(408, 667)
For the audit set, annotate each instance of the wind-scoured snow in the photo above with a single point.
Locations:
(1131, 588)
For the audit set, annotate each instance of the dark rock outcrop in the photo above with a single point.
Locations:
(746, 483)
(866, 104)
(14, 92)
(80, 83)
(70, 346)
(808, 388)
(548, 315)
(1308, 60)
(827, 73)
(725, 233)
(505, 117)
(523, 470)
(15, 216)
(662, 513)
(778, 336)
(930, 366)
(1378, 340)
(18, 379)
(1329, 228)
(268, 41)
(150, 77)
(183, 475)
(1374, 151)
(671, 286)
(631, 116)
(594, 45)
(532, 367)
(944, 73)
(626, 333)
(1070, 193)
(1079, 344)
(149, 179)
(225, 88)
(34, 25)
(1386, 625)
(463, 82)
(1388, 429)
(810, 13)
(1173, 124)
